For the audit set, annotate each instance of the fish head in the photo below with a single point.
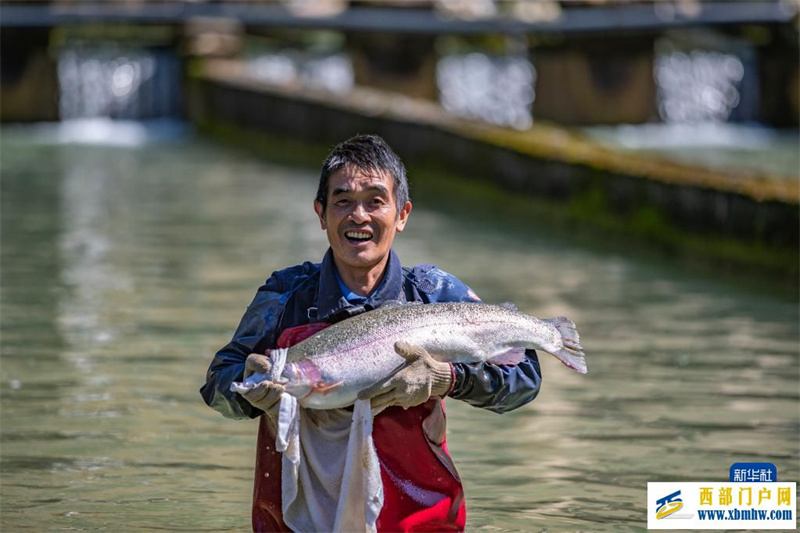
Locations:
(299, 378)
(304, 378)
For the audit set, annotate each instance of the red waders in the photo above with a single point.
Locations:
(422, 491)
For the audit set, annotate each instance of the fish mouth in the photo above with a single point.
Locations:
(359, 236)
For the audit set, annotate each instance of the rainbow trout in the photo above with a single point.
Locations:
(327, 370)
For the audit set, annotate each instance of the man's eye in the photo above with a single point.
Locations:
(342, 203)
(378, 201)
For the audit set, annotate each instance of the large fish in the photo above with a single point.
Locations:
(327, 370)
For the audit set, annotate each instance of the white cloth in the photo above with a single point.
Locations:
(331, 478)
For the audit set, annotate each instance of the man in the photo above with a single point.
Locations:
(362, 202)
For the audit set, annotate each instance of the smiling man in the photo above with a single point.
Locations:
(358, 210)
(362, 203)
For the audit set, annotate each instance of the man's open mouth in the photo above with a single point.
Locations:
(358, 236)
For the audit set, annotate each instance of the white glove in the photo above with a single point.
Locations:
(423, 378)
(267, 394)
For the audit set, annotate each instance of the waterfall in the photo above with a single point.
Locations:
(706, 83)
(118, 83)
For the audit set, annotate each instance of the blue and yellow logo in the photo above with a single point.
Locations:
(668, 505)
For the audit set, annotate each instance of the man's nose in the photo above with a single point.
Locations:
(359, 213)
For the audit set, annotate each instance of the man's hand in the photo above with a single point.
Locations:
(266, 395)
(423, 378)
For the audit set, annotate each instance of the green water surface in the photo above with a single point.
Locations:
(126, 264)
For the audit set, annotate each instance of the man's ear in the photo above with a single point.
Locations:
(320, 213)
(402, 216)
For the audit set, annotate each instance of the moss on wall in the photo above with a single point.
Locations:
(587, 217)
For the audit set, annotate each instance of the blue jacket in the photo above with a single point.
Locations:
(310, 293)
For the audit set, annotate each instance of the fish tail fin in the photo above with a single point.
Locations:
(571, 353)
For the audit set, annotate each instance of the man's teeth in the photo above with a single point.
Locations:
(357, 235)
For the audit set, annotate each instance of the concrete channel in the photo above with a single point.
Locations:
(745, 221)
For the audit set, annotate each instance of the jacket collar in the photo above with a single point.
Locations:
(332, 306)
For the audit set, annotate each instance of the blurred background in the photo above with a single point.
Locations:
(630, 164)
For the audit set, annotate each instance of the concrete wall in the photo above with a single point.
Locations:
(28, 77)
(600, 80)
(394, 62)
(657, 200)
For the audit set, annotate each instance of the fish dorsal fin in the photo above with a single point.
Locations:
(508, 305)
(392, 303)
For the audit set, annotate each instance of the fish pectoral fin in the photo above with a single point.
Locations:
(512, 356)
(324, 388)
(372, 390)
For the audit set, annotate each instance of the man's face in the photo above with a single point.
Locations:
(361, 217)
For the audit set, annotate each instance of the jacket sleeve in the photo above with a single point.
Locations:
(498, 388)
(256, 332)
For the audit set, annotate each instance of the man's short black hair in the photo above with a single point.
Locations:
(370, 154)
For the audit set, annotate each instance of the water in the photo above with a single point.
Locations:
(498, 89)
(118, 82)
(718, 145)
(697, 87)
(126, 265)
(331, 72)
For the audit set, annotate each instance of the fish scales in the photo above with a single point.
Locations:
(328, 369)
